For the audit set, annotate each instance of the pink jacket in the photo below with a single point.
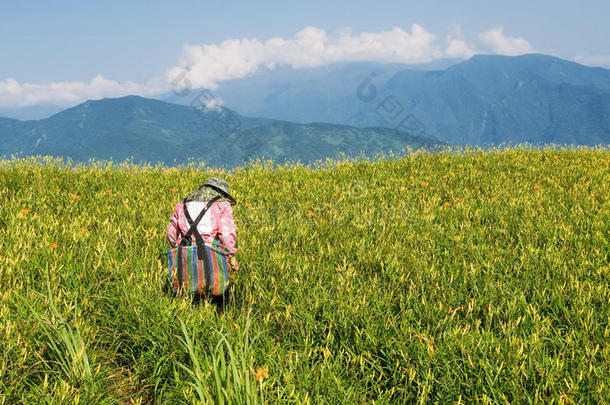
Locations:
(218, 221)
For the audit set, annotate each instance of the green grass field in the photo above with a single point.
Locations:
(475, 277)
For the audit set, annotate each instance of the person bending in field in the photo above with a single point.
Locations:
(216, 224)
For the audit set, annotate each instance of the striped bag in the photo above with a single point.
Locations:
(192, 274)
(203, 267)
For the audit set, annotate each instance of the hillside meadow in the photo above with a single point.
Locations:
(453, 277)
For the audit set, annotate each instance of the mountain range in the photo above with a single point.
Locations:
(349, 108)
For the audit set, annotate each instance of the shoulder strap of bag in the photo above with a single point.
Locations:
(193, 224)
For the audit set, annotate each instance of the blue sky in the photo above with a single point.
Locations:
(137, 46)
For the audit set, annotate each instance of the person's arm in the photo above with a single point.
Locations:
(227, 234)
(173, 228)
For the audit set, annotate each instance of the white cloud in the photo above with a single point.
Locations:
(207, 65)
(593, 60)
(456, 45)
(15, 94)
(501, 44)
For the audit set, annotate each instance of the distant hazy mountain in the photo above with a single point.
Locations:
(155, 131)
(322, 94)
(487, 99)
(34, 112)
(495, 99)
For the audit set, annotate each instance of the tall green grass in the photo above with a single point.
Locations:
(228, 379)
(473, 277)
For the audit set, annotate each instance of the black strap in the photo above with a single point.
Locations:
(186, 239)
